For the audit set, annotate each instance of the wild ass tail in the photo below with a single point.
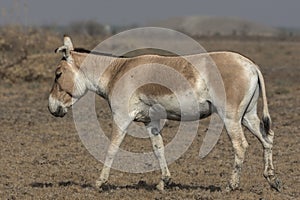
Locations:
(266, 119)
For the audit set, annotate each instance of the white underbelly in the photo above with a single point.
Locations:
(184, 108)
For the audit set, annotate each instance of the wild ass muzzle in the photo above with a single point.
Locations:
(242, 79)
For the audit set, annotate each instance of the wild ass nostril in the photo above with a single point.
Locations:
(59, 112)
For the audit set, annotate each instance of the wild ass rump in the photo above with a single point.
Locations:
(242, 81)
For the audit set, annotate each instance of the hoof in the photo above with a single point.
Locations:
(160, 186)
(231, 187)
(100, 183)
(275, 183)
(163, 182)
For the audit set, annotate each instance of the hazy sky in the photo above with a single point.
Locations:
(285, 13)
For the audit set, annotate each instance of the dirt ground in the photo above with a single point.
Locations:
(42, 157)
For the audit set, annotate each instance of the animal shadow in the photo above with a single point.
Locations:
(137, 186)
(152, 187)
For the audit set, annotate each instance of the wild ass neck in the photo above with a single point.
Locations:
(98, 70)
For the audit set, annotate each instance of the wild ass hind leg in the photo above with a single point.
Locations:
(116, 140)
(253, 123)
(153, 129)
(240, 144)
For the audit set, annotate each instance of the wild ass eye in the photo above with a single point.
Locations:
(58, 75)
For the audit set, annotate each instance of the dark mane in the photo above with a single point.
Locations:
(83, 50)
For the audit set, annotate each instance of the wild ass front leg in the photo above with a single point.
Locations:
(159, 151)
(116, 140)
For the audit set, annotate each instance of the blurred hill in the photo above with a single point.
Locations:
(213, 26)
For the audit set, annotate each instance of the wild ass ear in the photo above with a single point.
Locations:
(66, 48)
(68, 43)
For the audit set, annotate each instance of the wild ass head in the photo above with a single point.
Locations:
(69, 83)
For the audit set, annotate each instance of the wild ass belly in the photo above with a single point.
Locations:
(186, 107)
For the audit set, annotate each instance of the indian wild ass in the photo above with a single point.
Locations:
(242, 80)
